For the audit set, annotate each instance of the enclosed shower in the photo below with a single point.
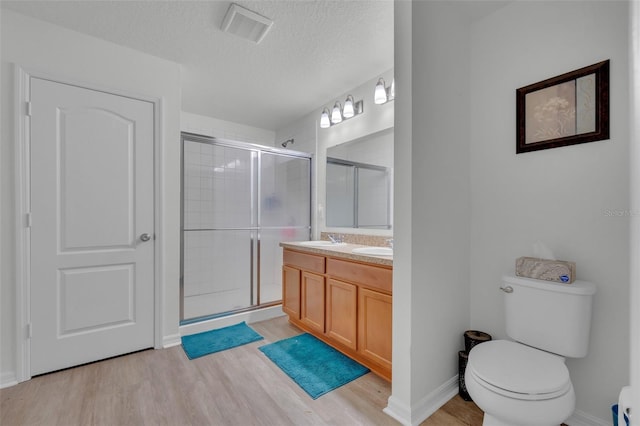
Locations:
(239, 201)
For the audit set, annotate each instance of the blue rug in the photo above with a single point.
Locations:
(201, 344)
(315, 366)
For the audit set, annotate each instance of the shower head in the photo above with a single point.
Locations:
(287, 142)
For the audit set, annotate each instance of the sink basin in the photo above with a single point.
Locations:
(320, 243)
(374, 251)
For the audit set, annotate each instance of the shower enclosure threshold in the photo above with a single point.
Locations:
(229, 313)
(220, 321)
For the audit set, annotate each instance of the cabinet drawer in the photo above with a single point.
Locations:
(367, 275)
(308, 262)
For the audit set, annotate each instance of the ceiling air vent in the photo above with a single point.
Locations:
(246, 23)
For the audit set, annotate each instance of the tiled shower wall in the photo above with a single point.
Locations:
(213, 280)
(210, 170)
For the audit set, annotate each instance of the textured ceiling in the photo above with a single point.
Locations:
(316, 49)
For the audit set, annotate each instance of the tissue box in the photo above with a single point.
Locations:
(545, 269)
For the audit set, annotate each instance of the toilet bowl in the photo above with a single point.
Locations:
(517, 385)
(524, 381)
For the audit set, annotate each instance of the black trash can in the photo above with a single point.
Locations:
(463, 357)
(471, 339)
(474, 337)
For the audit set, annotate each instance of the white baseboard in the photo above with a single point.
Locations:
(417, 413)
(171, 340)
(248, 317)
(397, 410)
(7, 379)
(580, 418)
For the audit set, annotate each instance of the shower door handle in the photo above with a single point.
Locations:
(145, 237)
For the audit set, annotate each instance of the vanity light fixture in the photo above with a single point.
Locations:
(382, 93)
(339, 113)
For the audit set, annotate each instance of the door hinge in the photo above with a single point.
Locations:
(28, 108)
(27, 220)
(29, 331)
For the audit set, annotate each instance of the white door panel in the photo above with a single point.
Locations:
(92, 285)
(112, 143)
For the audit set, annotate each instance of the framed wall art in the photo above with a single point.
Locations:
(569, 109)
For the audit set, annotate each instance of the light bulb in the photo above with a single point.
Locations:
(380, 95)
(324, 119)
(336, 115)
(347, 111)
(392, 90)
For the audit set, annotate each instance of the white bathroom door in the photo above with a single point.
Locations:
(92, 222)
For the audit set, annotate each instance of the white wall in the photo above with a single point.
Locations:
(309, 137)
(399, 405)
(440, 170)
(559, 196)
(59, 52)
(431, 293)
(634, 254)
(214, 127)
(467, 206)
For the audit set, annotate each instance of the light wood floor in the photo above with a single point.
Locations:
(239, 386)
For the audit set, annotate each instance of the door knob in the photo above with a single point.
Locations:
(145, 237)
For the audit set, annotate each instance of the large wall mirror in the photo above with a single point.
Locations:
(359, 183)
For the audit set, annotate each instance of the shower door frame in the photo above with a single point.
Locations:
(255, 195)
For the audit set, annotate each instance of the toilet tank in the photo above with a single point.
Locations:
(554, 317)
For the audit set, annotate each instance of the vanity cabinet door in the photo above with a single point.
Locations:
(291, 291)
(374, 326)
(341, 315)
(313, 301)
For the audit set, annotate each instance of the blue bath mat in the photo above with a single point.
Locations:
(201, 344)
(315, 366)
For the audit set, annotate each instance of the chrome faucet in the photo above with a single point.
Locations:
(335, 239)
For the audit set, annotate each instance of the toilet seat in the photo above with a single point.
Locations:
(518, 371)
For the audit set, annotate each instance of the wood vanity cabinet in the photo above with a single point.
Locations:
(341, 315)
(291, 291)
(374, 319)
(345, 303)
(312, 301)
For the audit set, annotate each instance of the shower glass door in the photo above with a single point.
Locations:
(285, 211)
(238, 203)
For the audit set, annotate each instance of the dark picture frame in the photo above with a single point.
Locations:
(569, 109)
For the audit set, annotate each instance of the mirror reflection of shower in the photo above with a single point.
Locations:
(287, 142)
(359, 182)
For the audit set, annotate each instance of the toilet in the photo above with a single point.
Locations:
(524, 381)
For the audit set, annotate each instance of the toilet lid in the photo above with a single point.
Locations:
(518, 370)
